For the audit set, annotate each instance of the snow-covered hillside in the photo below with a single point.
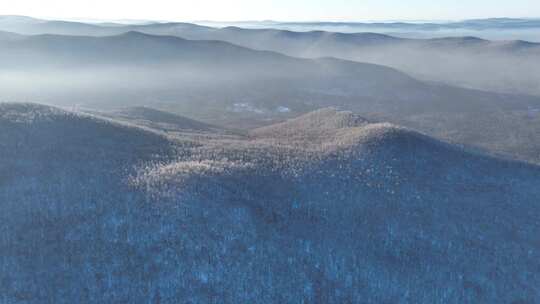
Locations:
(325, 208)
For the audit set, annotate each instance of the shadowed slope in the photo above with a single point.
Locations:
(159, 120)
(63, 178)
(71, 154)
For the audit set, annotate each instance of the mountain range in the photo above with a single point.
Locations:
(502, 65)
(238, 87)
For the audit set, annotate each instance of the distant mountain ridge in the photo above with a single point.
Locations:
(477, 24)
(486, 23)
(509, 63)
(195, 31)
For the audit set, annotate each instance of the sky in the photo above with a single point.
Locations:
(281, 10)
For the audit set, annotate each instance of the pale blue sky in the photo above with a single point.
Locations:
(286, 10)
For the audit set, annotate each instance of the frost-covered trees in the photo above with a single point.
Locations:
(333, 210)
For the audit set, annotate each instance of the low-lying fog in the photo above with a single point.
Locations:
(527, 34)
